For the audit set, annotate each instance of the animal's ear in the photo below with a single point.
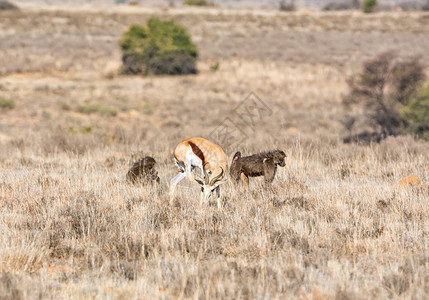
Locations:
(268, 160)
(237, 156)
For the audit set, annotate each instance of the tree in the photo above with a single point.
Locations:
(385, 85)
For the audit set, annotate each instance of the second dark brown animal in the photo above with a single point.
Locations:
(143, 171)
(261, 164)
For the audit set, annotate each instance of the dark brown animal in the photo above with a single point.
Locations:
(143, 171)
(261, 164)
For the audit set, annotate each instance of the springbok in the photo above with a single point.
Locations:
(208, 157)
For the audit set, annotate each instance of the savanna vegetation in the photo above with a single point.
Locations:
(334, 224)
(162, 47)
(391, 94)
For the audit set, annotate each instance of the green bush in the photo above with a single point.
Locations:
(195, 2)
(389, 96)
(368, 6)
(416, 113)
(163, 47)
(6, 103)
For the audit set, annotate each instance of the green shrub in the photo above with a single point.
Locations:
(196, 2)
(368, 6)
(416, 113)
(163, 47)
(386, 84)
(406, 77)
(6, 103)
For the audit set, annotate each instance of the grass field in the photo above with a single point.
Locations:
(333, 225)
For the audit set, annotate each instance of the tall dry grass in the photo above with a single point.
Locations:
(332, 225)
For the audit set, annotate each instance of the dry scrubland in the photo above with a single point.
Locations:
(332, 225)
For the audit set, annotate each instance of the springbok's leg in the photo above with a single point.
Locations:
(218, 196)
(174, 181)
(202, 196)
(188, 172)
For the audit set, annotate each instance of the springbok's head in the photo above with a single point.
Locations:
(209, 184)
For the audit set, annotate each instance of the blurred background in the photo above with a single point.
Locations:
(79, 64)
(238, 3)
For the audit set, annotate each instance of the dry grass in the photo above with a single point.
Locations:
(333, 225)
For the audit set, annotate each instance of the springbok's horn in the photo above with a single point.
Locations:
(217, 177)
